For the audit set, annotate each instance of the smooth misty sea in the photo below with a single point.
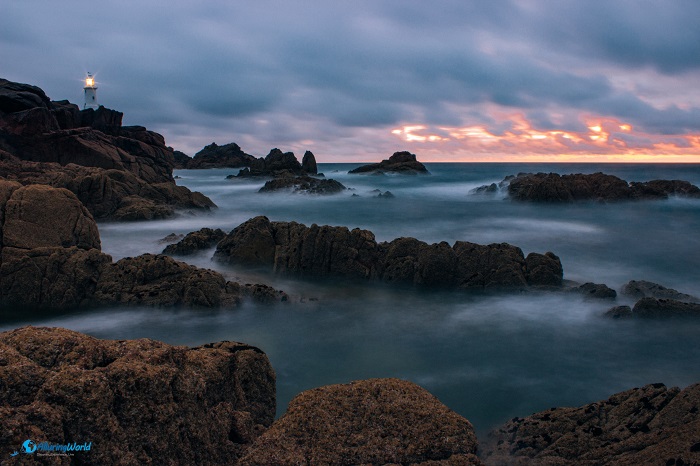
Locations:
(490, 358)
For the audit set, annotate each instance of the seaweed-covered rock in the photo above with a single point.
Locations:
(643, 426)
(136, 401)
(377, 421)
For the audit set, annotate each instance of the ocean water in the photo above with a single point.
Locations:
(489, 358)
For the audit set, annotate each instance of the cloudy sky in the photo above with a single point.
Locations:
(452, 80)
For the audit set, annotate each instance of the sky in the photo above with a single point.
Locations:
(452, 80)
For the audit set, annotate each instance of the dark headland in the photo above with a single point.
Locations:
(146, 402)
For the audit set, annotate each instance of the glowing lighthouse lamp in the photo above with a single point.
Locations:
(90, 92)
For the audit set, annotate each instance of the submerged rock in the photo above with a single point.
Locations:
(136, 401)
(638, 289)
(378, 421)
(594, 291)
(652, 307)
(290, 248)
(303, 185)
(643, 426)
(403, 163)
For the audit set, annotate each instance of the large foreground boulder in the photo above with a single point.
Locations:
(133, 401)
(403, 163)
(652, 425)
(326, 251)
(378, 421)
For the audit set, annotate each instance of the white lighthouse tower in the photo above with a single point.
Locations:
(90, 92)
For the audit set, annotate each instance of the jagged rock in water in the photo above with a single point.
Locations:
(377, 421)
(552, 187)
(308, 163)
(324, 251)
(279, 164)
(644, 426)
(137, 401)
(403, 163)
(195, 241)
(215, 156)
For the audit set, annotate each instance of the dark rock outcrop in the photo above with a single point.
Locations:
(652, 307)
(403, 163)
(644, 426)
(137, 401)
(638, 289)
(120, 172)
(215, 156)
(303, 185)
(618, 312)
(308, 163)
(379, 421)
(552, 187)
(180, 160)
(108, 194)
(195, 241)
(594, 291)
(278, 163)
(325, 251)
(50, 258)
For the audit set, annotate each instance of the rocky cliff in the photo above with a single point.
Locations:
(121, 172)
(326, 251)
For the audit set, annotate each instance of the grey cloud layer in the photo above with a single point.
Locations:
(359, 64)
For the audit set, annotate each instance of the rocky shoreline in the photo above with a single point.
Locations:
(143, 401)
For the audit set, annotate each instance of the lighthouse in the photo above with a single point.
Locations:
(90, 92)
